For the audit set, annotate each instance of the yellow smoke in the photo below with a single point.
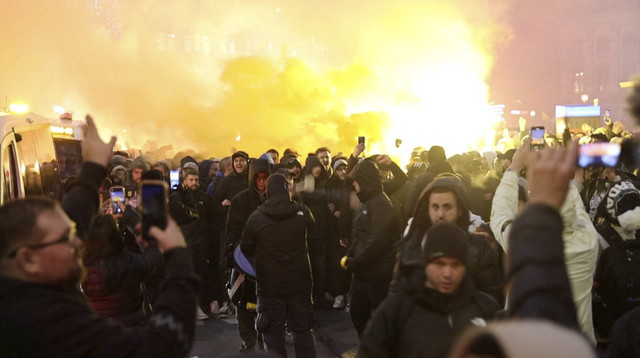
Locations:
(210, 75)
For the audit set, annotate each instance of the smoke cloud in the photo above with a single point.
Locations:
(212, 75)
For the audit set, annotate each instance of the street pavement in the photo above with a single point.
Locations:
(334, 334)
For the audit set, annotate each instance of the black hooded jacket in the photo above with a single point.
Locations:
(229, 187)
(276, 236)
(317, 200)
(377, 227)
(422, 322)
(243, 204)
(483, 261)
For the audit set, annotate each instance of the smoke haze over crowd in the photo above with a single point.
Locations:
(211, 75)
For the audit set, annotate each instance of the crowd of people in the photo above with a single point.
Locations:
(524, 244)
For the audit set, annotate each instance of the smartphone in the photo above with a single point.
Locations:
(601, 154)
(361, 140)
(153, 205)
(117, 194)
(537, 137)
(174, 178)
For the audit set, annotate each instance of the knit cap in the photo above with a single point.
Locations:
(445, 240)
(338, 163)
(623, 205)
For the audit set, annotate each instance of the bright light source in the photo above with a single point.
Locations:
(62, 130)
(532, 113)
(58, 109)
(584, 98)
(238, 138)
(18, 108)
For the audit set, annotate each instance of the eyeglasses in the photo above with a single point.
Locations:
(67, 238)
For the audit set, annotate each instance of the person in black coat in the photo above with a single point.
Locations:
(242, 206)
(423, 320)
(275, 235)
(371, 254)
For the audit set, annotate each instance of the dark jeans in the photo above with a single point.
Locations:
(366, 294)
(296, 312)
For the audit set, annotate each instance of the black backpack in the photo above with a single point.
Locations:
(616, 288)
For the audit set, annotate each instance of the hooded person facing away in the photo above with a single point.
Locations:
(276, 236)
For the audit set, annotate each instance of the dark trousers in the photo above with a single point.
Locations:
(366, 294)
(199, 254)
(318, 257)
(296, 312)
(246, 327)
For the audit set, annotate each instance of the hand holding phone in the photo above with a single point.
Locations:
(117, 195)
(537, 137)
(153, 206)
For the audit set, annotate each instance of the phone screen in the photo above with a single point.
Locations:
(153, 206)
(117, 194)
(603, 154)
(174, 177)
(537, 137)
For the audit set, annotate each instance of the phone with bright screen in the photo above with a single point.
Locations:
(537, 137)
(153, 205)
(601, 154)
(174, 179)
(117, 194)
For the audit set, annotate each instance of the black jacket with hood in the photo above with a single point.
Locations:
(317, 200)
(276, 236)
(377, 227)
(242, 205)
(483, 261)
(229, 187)
(421, 322)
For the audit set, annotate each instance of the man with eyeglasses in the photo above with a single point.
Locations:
(43, 313)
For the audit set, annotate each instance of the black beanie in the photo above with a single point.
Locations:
(445, 240)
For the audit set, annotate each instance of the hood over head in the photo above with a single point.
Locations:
(367, 175)
(455, 184)
(258, 166)
(278, 205)
(116, 168)
(141, 163)
(312, 162)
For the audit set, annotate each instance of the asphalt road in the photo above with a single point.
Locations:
(334, 333)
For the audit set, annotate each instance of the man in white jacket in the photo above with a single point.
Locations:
(579, 235)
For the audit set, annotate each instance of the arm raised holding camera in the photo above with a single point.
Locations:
(82, 201)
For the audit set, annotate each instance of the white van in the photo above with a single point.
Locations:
(27, 158)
